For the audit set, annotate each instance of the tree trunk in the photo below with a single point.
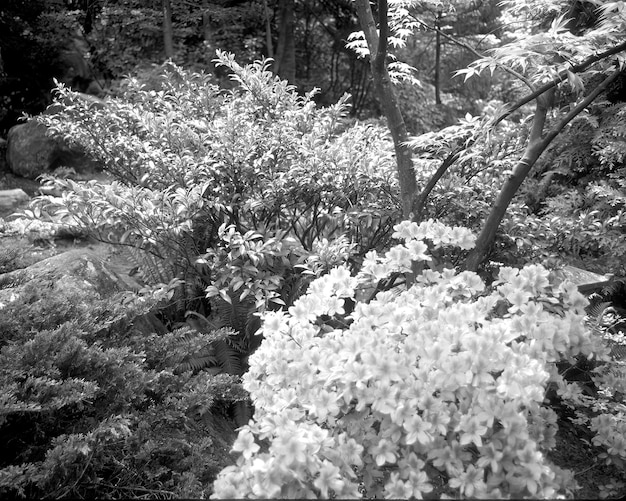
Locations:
(533, 150)
(438, 59)
(168, 32)
(537, 144)
(385, 94)
(285, 61)
(268, 30)
(207, 35)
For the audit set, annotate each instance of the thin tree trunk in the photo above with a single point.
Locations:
(168, 32)
(206, 23)
(285, 61)
(385, 94)
(438, 59)
(537, 144)
(268, 30)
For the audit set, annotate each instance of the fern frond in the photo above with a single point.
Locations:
(596, 311)
(152, 269)
(242, 411)
(197, 362)
(227, 357)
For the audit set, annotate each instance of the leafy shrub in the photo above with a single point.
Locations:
(193, 163)
(436, 376)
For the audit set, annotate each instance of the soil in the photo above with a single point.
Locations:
(573, 451)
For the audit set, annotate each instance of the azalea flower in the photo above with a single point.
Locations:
(329, 478)
(383, 452)
(471, 431)
(418, 431)
(245, 443)
(419, 483)
(397, 489)
(470, 482)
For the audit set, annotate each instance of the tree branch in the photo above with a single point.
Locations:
(580, 107)
(455, 41)
(562, 75)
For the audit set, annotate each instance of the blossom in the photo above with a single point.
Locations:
(350, 450)
(291, 448)
(418, 249)
(445, 457)
(418, 430)
(399, 257)
(383, 452)
(245, 443)
(329, 478)
(471, 431)
(419, 483)
(470, 482)
(322, 403)
(302, 311)
(396, 488)
(491, 456)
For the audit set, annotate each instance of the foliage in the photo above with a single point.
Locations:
(32, 36)
(92, 404)
(440, 376)
(234, 193)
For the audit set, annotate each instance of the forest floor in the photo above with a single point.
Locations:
(574, 450)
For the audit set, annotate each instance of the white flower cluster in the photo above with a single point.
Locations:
(431, 377)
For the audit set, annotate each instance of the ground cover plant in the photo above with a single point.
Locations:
(93, 405)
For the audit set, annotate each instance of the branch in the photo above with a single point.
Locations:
(420, 202)
(562, 75)
(455, 41)
(580, 107)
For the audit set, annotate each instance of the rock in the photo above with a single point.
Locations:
(31, 153)
(80, 271)
(12, 199)
(586, 281)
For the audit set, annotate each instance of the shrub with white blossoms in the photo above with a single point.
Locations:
(439, 377)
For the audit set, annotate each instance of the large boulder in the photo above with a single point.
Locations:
(31, 152)
(80, 272)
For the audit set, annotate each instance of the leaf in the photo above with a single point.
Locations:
(225, 296)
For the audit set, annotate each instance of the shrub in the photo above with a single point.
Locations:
(193, 163)
(91, 405)
(435, 376)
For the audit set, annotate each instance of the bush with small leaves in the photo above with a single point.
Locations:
(188, 158)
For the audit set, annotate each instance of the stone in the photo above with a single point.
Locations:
(30, 152)
(586, 281)
(12, 199)
(81, 271)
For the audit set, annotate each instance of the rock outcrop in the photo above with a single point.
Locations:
(80, 271)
